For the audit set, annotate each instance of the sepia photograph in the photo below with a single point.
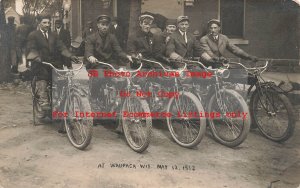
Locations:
(150, 93)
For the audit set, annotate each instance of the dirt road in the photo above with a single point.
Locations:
(40, 157)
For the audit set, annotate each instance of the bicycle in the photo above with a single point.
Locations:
(186, 129)
(136, 128)
(270, 108)
(227, 109)
(72, 99)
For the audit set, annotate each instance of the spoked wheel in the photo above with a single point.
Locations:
(79, 129)
(232, 125)
(137, 127)
(273, 114)
(185, 124)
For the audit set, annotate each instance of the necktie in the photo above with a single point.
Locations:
(103, 37)
(215, 38)
(45, 35)
(185, 38)
(167, 39)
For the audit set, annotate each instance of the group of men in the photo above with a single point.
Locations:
(44, 45)
(18, 35)
(175, 43)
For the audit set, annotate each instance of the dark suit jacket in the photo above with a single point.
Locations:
(11, 34)
(177, 46)
(103, 50)
(87, 32)
(47, 50)
(141, 43)
(217, 48)
(119, 33)
(160, 45)
(65, 37)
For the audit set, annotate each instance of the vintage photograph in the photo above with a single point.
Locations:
(150, 93)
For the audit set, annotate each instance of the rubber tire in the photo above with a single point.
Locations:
(290, 111)
(246, 128)
(202, 129)
(145, 107)
(84, 106)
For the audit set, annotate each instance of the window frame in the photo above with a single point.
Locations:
(241, 40)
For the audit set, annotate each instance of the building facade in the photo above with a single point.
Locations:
(265, 28)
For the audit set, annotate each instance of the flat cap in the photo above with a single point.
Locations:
(144, 16)
(214, 21)
(103, 18)
(182, 18)
(170, 22)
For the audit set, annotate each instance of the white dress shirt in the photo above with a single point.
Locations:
(184, 35)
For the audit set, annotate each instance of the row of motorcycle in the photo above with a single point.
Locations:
(228, 98)
(231, 101)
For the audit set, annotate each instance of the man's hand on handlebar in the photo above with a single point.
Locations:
(75, 59)
(179, 58)
(92, 59)
(37, 59)
(215, 58)
(221, 59)
(165, 59)
(137, 56)
(253, 58)
(129, 58)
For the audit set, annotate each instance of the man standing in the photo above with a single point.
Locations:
(11, 29)
(215, 44)
(22, 33)
(116, 29)
(88, 30)
(63, 34)
(45, 46)
(65, 37)
(182, 44)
